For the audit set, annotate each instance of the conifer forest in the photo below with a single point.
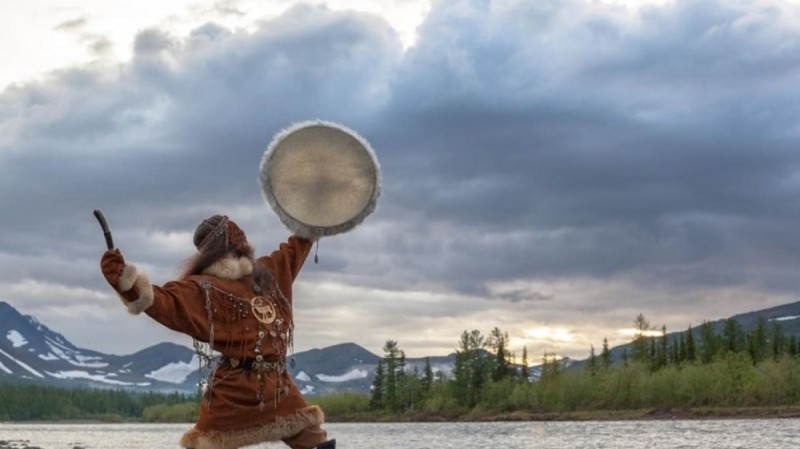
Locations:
(697, 368)
(700, 368)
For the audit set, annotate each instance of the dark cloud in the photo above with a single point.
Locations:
(71, 25)
(228, 8)
(100, 45)
(151, 42)
(519, 141)
(641, 144)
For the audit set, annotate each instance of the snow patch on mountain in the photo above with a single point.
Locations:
(16, 339)
(351, 375)
(74, 358)
(28, 368)
(786, 318)
(5, 368)
(302, 376)
(175, 373)
(75, 374)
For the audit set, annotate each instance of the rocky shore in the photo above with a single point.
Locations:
(23, 444)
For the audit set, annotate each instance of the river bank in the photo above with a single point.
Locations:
(24, 444)
(514, 416)
(591, 415)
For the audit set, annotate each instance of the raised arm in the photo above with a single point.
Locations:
(178, 305)
(288, 259)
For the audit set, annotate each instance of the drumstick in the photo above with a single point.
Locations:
(104, 225)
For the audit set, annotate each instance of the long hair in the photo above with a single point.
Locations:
(217, 237)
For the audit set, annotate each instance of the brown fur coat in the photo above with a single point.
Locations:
(240, 407)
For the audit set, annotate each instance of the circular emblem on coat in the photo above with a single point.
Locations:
(263, 310)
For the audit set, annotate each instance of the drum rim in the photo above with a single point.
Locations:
(296, 226)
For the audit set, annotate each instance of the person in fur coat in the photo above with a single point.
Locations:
(241, 307)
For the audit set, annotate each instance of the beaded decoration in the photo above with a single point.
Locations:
(272, 328)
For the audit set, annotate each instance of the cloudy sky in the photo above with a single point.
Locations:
(551, 168)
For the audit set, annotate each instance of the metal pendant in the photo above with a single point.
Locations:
(263, 310)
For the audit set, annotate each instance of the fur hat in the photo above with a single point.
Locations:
(219, 230)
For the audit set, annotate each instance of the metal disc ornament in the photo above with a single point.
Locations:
(263, 310)
(320, 178)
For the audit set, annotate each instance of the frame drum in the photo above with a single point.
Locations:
(320, 178)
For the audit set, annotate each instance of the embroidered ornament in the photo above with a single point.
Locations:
(263, 310)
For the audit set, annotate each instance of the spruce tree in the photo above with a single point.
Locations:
(462, 371)
(777, 340)
(376, 398)
(525, 371)
(472, 369)
(664, 348)
(758, 345)
(791, 345)
(605, 355)
(732, 336)
(394, 364)
(591, 364)
(642, 350)
(498, 342)
(691, 349)
(709, 343)
(427, 376)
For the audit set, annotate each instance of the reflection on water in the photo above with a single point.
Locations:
(683, 434)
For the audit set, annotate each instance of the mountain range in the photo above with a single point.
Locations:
(30, 351)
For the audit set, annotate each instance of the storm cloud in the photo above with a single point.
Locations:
(552, 163)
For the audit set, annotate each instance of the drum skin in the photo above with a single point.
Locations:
(320, 178)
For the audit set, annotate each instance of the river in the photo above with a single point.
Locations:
(648, 434)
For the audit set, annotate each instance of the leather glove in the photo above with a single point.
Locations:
(123, 278)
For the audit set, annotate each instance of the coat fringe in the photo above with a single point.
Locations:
(283, 427)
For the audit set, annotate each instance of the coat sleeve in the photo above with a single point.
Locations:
(288, 259)
(181, 306)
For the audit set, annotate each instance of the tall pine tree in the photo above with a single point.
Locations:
(378, 385)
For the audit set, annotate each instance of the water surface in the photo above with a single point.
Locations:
(672, 434)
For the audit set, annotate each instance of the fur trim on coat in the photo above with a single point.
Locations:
(233, 439)
(230, 268)
(131, 278)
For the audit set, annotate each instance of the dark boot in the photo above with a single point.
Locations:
(330, 444)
